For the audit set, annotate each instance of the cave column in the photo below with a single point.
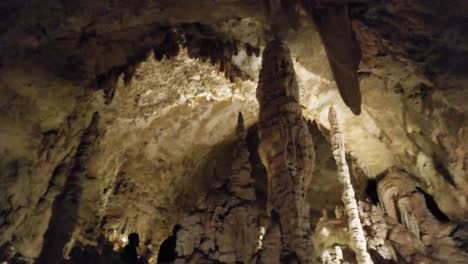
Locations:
(348, 196)
(286, 150)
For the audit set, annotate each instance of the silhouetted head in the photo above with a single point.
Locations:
(176, 229)
(133, 239)
(101, 243)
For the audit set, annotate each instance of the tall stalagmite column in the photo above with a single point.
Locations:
(348, 197)
(286, 150)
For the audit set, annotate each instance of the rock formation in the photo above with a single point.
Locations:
(417, 223)
(348, 197)
(286, 150)
(402, 228)
(64, 218)
(334, 25)
(225, 226)
(168, 79)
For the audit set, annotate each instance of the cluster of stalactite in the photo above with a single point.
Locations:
(201, 42)
(405, 226)
(287, 152)
(226, 225)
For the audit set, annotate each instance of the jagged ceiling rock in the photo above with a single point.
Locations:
(158, 139)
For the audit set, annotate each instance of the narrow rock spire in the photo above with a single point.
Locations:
(241, 183)
(348, 196)
(240, 129)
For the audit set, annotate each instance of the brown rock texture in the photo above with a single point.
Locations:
(286, 149)
(65, 209)
(225, 226)
(402, 228)
(168, 78)
(343, 52)
(418, 225)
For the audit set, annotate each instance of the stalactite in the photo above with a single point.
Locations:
(169, 47)
(286, 150)
(342, 48)
(348, 196)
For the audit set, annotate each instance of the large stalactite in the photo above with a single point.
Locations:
(286, 150)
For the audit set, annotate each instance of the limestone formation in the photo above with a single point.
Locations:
(65, 209)
(344, 54)
(348, 196)
(225, 226)
(391, 228)
(168, 79)
(286, 150)
(406, 204)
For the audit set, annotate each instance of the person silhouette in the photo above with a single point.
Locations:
(129, 254)
(167, 251)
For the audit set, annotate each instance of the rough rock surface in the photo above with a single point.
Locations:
(166, 127)
(348, 196)
(286, 150)
(225, 226)
(404, 227)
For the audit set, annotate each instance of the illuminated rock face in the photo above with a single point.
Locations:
(404, 227)
(286, 150)
(417, 222)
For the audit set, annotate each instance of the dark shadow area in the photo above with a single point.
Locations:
(433, 207)
(442, 170)
(130, 252)
(460, 235)
(378, 259)
(258, 170)
(103, 253)
(167, 250)
(371, 191)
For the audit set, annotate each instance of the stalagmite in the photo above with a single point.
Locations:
(286, 150)
(225, 225)
(348, 197)
(241, 181)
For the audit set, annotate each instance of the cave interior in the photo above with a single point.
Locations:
(247, 131)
